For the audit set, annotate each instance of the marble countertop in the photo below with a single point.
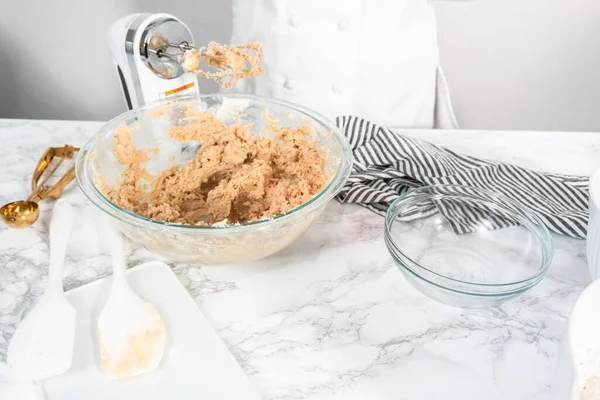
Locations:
(330, 317)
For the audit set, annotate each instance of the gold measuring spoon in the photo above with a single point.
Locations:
(23, 213)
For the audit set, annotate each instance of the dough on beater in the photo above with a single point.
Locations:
(231, 63)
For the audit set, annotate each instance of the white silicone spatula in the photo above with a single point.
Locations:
(131, 331)
(42, 345)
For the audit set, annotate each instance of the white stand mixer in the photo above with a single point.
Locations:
(147, 72)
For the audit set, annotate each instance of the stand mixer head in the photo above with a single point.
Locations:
(155, 59)
(148, 71)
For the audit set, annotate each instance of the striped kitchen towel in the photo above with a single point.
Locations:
(388, 164)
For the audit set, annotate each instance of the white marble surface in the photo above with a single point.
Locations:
(330, 317)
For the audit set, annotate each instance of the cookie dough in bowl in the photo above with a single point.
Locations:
(215, 179)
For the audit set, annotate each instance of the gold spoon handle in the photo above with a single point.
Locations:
(52, 171)
(35, 197)
(21, 214)
(56, 190)
(39, 189)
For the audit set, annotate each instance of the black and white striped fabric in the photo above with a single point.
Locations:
(388, 164)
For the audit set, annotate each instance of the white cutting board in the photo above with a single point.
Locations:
(196, 363)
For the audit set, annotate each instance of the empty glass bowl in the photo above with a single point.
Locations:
(467, 247)
(208, 245)
(593, 236)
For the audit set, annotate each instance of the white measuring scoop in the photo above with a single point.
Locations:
(42, 345)
(131, 332)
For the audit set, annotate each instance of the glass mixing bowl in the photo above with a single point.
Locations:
(482, 250)
(208, 245)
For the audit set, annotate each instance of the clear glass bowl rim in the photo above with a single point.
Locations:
(93, 194)
(500, 294)
(541, 232)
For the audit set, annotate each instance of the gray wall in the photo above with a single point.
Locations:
(54, 57)
(511, 64)
(523, 64)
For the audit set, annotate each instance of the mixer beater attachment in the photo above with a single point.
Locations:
(226, 64)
